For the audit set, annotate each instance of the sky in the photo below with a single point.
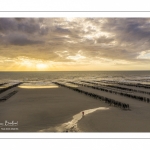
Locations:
(74, 44)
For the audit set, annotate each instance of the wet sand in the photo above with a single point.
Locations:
(117, 120)
(37, 109)
(114, 120)
(71, 126)
(59, 109)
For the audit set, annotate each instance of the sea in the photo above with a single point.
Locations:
(45, 77)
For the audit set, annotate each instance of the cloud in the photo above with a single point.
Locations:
(131, 31)
(97, 38)
(62, 31)
(26, 25)
(104, 39)
(22, 31)
(19, 39)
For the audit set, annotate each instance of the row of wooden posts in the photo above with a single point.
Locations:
(4, 98)
(105, 99)
(2, 84)
(118, 87)
(128, 84)
(145, 99)
(9, 87)
(145, 80)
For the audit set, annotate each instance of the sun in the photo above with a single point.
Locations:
(32, 64)
(41, 66)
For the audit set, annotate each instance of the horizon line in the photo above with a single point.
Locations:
(72, 70)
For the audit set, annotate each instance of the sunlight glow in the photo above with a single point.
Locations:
(76, 57)
(79, 63)
(41, 66)
(32, 64)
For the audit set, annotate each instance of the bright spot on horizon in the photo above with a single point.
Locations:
(41, 66)
(32, 64)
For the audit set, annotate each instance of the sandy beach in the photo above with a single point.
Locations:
(37, 109)
(59, 109)
(115, 120)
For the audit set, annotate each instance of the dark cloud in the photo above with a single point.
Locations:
(104, 39)
(133, 31)
(26, 25)
(20, 39)
(22, 31)
(60, 30)
(7, 24)
(19, 19)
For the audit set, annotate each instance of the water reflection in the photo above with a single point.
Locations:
(37, 87)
